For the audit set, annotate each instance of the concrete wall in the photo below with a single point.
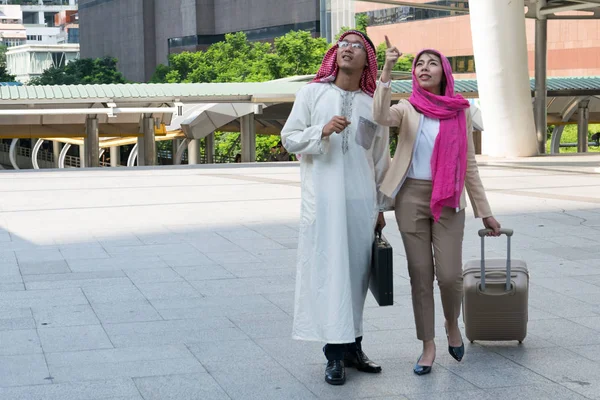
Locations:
(237, 15)
(205, 17)
(114, 28)
(174, 18)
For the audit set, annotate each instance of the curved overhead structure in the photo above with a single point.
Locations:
(180, 150)
(132, 156)
(503, 78)
(63, 155)
(565, 116)
(12, 153)
(34, 153)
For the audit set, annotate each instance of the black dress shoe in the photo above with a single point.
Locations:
(335, 373)
(359, 360)
(456, 352)
(421, 369)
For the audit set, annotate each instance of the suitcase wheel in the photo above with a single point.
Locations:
(472, 341)
(520, 342)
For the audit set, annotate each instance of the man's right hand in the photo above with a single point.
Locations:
(392, 54)
(337, 124)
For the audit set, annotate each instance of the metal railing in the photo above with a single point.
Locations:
(23, 151)
(47, 156)
(167, 155)
(72, 162)
(75, 162)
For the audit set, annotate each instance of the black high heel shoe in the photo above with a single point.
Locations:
(456, 352)
(421, 369)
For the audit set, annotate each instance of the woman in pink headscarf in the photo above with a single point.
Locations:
(434, 161)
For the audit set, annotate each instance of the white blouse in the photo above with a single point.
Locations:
(420, 167)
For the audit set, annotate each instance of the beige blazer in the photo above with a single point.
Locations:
(408, 119)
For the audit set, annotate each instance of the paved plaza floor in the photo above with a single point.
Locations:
(178, 283)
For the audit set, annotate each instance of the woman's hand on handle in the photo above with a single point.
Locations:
(392, 54)
(491, 223)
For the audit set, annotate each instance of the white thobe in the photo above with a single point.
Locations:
(340, 178)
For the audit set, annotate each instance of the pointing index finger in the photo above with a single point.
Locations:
(387, 42)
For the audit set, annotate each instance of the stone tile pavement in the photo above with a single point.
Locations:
(177, 283)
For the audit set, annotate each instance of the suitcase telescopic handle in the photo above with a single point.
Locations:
(482, 233)
(503, 231)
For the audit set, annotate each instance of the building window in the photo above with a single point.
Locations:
(397, 15)
(462, 64)
(73, 35)
(13, 42)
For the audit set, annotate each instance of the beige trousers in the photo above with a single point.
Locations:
(431, 248)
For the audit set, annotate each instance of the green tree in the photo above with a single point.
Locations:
(569, 135)
(227, 145)
(361, 21)
(160, 75)
(3, 50)
(4, 75)
(82, 72)
(233, 60)
(238, 60)
(403, 64)
(296, 53)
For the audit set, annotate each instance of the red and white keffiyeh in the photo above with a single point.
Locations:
(329, 68)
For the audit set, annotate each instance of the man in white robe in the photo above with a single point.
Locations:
(344, 156)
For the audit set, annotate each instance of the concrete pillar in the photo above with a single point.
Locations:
(194, 152)
(209, 148)
(248, 133)
(91, 143)
(41, 17)
(541, 89)
(115, 156)
(147, 144)
(56, 148)
(582, 127)
(503, 78)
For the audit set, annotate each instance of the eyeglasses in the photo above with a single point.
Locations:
(354, 45)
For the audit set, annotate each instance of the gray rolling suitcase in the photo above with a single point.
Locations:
(495, 296)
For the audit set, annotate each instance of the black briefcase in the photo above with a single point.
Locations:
(382, 278)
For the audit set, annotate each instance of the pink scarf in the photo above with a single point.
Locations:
(449, 158)
(329, 68)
